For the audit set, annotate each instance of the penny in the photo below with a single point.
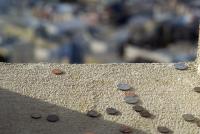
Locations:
(131, 99)
(52, 118)
(197, 89)
(93, 114)
(162, 129)
(36, 116)
(145, 114)
(188, 117)
(125, 129)
(57, 71)
(111, 111)
(123, 87)
(138, 108)
(130, 93)
(181, 66)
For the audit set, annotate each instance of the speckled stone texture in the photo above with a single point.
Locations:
(198, 53)
(32, 88)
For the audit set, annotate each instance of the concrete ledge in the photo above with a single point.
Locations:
(164, 91)
(198, 54)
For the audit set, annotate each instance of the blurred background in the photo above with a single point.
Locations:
(98, 31)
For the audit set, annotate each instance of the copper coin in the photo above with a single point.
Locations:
(36, 116)
(57, 71)
(138, 108)
(125, 129)
(197, 89)
(188, 117)
(52, 118)
(130, 93)
(145, 114)
(93, 114)
(162, 129)
(112, 111)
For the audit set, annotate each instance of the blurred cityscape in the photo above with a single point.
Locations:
(98, 31)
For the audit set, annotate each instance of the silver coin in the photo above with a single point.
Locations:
(93, 114)
(197, 89)
(162, 129)
(138, 108)
(188, 117)
(123, 87)
(112, 111)
(181, 66)
(35, 116)
(145, 114)
(131, 99)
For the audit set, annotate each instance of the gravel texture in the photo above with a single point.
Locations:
(167, 93)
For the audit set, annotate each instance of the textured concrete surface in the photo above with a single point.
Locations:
(198, 53)
(28, 88)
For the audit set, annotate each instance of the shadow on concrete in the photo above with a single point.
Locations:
(15, 111)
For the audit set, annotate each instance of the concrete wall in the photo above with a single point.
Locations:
(198, 54)
(32, 88)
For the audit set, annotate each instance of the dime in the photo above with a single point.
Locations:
(162, 129)
(131, 99)
(93, 114)
(145, 114)
(181, 66)
(111, 111)
(36, 116)
(138, 108)
(188, 117)
(123, 87)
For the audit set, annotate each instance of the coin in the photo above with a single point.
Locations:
(57, 71)
(131, 99)
(111, 111)
(93, 114)
(36, 116)
(52, 118)
(188, 117)
(162, 129)
(138, 108)
(125, 129)
(145, 114)
(130, 93)
(181, 66)
(197, 89)
(123, 87)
